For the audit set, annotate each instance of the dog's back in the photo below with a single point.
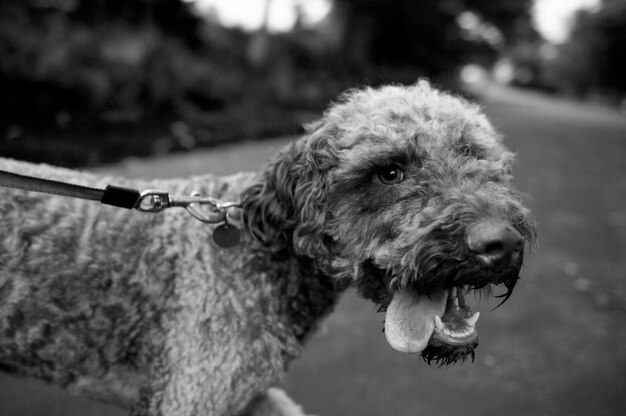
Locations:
(120, 304)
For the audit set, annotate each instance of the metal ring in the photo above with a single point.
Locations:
(217, 217)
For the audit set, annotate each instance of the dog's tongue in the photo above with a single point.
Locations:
(410, 319)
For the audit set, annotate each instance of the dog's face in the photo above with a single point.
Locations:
(405, 193)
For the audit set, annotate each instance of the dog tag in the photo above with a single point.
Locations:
(226, 235)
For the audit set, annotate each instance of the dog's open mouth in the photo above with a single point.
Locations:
(413, 321)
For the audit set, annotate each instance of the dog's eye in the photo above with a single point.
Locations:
(391, 174)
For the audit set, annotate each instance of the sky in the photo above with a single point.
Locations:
(551, 17)
(249, 13)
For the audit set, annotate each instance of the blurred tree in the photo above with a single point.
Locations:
(95, 80)
(592, 61)
(111, 58)
(511, 17)
(72, 67)
(173, 17)
(426, 34)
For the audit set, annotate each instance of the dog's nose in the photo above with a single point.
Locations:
(493, 239)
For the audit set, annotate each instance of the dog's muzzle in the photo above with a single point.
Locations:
(437, 322)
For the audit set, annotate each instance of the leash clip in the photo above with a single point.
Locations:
(218, 212)
(153, 201)
(227, 214)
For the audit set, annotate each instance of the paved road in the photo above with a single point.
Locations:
(556, 348)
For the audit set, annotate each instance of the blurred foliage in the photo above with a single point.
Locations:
(592, 62)
(426, 34)
(92, 81)
(116, 59)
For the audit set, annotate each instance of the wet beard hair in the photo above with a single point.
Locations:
(443, 354)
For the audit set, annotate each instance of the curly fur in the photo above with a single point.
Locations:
(146, 311)
(458, 172)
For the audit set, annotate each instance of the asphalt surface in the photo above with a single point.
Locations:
(557, 347)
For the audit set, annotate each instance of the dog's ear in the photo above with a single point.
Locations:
(286, 209)
(507, 159)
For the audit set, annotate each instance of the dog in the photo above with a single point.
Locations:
(402, 192)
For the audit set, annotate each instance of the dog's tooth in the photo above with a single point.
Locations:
(462, 334)
(438, 323)
(452, 292)
(471, 321)
(457, 334)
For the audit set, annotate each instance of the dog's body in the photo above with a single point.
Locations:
(143, 309)
(97, 298)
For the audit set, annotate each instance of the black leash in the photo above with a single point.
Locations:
(113, 195)
(224, 213)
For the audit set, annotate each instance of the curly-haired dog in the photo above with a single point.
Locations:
(402, 192)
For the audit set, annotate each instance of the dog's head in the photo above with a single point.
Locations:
(404, 192)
